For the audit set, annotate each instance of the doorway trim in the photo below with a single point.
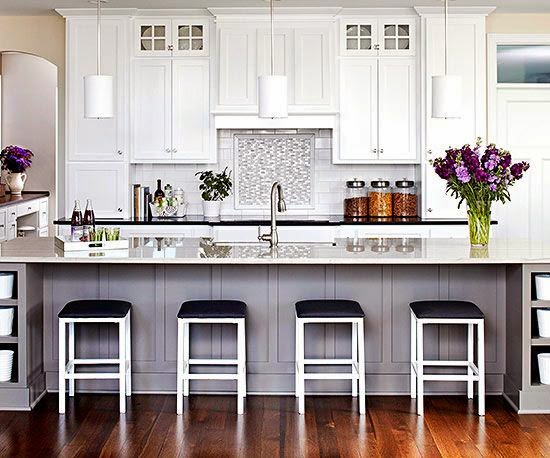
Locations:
(493, 40)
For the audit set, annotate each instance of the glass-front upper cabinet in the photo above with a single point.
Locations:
(378, 36)
(178, 37)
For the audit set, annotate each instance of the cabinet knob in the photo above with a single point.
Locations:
(374, 151)
(429, 152)
(430, 210)
(168, 150)
(382, 151)
(119, 210)
(174, 150)
(119, 152)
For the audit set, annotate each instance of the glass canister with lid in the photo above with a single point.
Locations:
(380, 199)
(405, 202)
(356, 203)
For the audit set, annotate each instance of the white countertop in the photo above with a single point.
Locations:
(361, 251)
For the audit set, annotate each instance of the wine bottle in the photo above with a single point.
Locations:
(159, 193)
(76, 223)
(89, 220)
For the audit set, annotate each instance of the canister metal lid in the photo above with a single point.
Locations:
(355, 183)
(380, 183)
(404, 183)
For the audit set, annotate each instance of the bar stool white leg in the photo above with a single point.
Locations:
(62, 356)
(420, 367)
(179, 382)
(470, 360)
(186, 345)
(244, 359)
(361, 350)
(71, 357)
(481, 365)
(354, 358)
(296, 360)
(122, 363)
(240, 366)
(413, 356)
(301, 367)
(128, 355)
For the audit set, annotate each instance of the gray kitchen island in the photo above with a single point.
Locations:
(157, 274)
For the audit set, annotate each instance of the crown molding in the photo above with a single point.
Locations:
(396, 11)
(262, 13)
(134, 12)
(87, 12)
(455, 10)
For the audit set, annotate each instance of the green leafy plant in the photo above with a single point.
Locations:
(215, 186)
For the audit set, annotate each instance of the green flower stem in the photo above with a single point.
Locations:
(479, 222)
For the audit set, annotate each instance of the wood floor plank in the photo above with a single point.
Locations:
(271, 427)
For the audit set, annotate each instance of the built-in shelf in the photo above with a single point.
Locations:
(540, 341)
(540, 304)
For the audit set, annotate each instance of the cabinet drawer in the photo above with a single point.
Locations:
(43, 215)
(27, 208)
(11, 214)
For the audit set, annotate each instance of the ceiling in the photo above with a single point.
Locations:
(41, 7)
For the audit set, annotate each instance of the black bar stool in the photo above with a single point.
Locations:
(331, 311)
(447, 312)
(211, 312)
(95, 311)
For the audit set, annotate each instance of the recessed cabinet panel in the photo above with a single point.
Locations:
(358, 110)
(96, 139)
(312, 85)
(397, 109)
(106, 184)
(151, 108)
(237, 66)
(190, 110)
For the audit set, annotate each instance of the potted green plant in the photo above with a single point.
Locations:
(214, 187)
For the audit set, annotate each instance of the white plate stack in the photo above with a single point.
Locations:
(6, 365)
(544, 368)
(6, 320)
(6, 285)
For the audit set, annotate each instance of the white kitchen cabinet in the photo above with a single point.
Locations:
(171, 37)
(3, 225)
(378, 121)
(466, 41)
(106, 184)
(152, 110)
(171, 111)
(303, 52)
(378, 36)
(96, 139)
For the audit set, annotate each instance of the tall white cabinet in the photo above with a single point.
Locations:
(467, 58)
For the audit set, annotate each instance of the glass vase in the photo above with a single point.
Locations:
(479, 223)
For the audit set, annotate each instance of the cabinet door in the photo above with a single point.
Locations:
(397, 109)
(3, 225)
(466, 59)
(106, 184)
(190, 37)
(151, 107)
(153, 37)
(191, 111)
(359, 37)
(238, 75)
(96, 139)
(358, 111)
(284, 56)
(396, 36)
(312, 67)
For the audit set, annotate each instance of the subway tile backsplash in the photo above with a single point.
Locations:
(327, 180)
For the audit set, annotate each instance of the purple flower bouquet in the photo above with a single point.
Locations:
(15, 159)
(479, 176)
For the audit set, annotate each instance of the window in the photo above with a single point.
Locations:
(523, 64)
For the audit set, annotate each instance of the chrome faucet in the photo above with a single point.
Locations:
(277, 203)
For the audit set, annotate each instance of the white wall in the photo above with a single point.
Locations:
(29, 115)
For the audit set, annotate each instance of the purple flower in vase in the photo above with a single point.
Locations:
(15, 159)
(462, 174)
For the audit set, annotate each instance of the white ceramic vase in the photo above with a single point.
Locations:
(16, 182)
(211, 208)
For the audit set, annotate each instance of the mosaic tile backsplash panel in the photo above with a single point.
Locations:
(262, 160)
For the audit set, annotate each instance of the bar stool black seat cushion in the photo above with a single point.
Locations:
(212, 309)
(446, 309)
(329, 308)
(95, 308)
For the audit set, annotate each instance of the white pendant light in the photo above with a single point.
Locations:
(98, 88)
(272, 89)
(446, 89)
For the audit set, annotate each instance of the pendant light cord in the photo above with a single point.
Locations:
(446, 33)
(272, 38)
(99, 37)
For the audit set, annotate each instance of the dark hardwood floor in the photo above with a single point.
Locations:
(271, 427)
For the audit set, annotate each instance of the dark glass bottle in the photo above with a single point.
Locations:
(76, 223)
(89, 219)
(159, 193)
